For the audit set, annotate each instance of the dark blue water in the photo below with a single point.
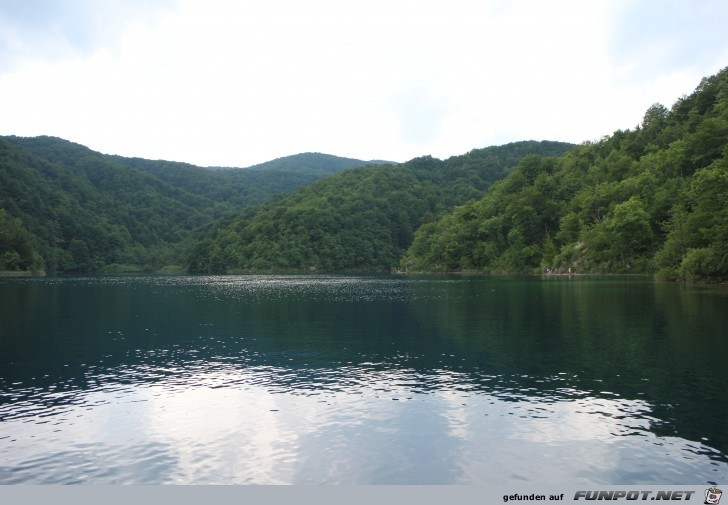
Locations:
(362, 380)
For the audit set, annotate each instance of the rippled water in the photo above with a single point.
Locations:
(362, 380)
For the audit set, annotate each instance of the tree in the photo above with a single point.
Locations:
(629, 224)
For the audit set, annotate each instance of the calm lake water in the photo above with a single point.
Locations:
(362, 380)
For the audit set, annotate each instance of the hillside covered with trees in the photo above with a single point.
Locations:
(66, 208)
(651, 199)
(646, 200)
(361, 219)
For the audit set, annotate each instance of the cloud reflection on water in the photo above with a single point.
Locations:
(230, 425)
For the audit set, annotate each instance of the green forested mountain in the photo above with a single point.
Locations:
(654, 198)
(650, 199)
(361, 219)
(84, 211)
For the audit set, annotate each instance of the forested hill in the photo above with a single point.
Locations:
(651, 199)
(361, 219)
(67, 208)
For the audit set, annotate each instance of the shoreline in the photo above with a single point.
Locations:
(22, 273)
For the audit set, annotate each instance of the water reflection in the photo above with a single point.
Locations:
(223, 428)
(360, 380)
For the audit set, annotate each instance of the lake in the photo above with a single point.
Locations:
(362, 380)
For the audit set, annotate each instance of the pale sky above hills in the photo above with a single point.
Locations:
(236, 83)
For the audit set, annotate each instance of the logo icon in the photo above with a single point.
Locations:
(712, 495)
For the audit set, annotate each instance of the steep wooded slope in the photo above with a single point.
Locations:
(642, 200)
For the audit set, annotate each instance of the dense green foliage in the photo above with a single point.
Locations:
(85, 211)
(360, 219)
(643, 200)
(17, 248)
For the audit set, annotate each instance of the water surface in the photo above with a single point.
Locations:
(362, 380)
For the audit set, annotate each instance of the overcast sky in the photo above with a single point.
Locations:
(235, 83)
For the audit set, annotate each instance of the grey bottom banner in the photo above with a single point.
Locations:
(379, 495)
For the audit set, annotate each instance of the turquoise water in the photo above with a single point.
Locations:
(362, 380)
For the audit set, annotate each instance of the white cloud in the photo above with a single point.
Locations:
(236, 83)
(58, 29)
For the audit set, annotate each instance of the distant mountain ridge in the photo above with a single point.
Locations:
(326, 163)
